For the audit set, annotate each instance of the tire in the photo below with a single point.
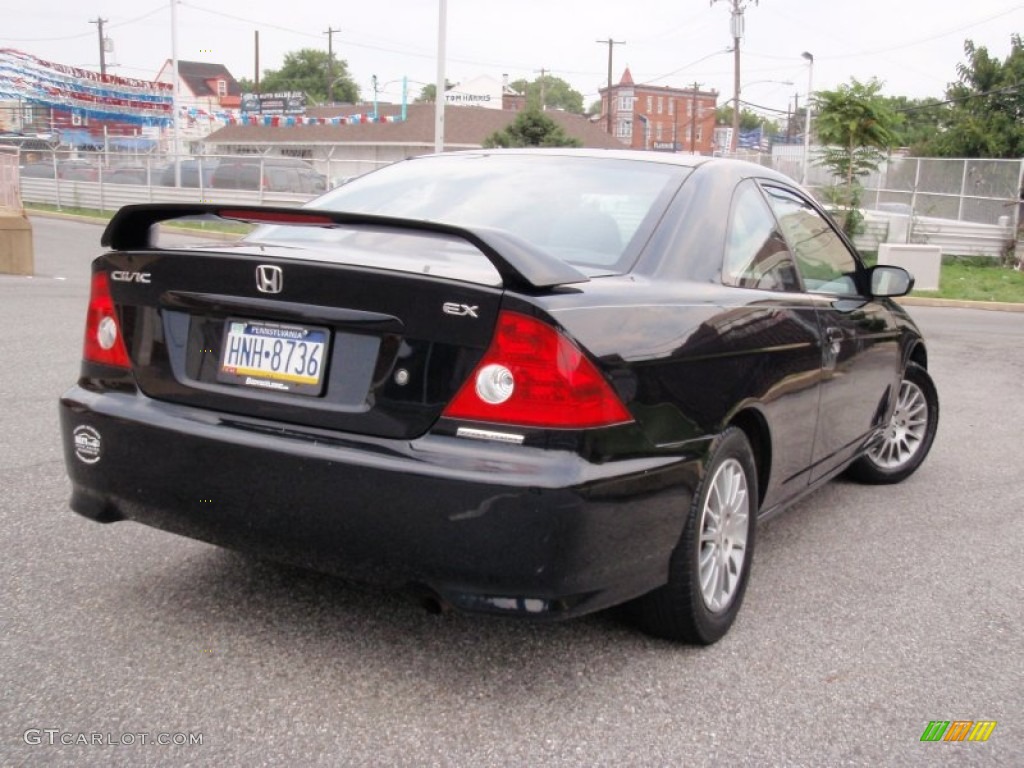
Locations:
(711, 564)
(909, 435)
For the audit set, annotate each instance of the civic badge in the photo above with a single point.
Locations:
(269, 279)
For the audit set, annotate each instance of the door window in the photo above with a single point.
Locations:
(825, 263)
(756, 254)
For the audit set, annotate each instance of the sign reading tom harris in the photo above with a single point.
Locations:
(280, 103)
(479, 92)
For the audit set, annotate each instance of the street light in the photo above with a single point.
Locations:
(779, 82)
(807, 122)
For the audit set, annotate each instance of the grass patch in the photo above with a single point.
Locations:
(90, 213)
(971, 278)
(222, 227)
(975, 280)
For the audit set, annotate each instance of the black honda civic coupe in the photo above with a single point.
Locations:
(536, 383)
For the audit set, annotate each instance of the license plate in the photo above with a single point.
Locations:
(279, 357)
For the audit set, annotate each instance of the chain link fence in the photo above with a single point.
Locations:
(106, 180)
(966, 206)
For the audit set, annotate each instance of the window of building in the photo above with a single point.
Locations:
(657, 132)
(650, 99)
(661, 104)
(671, 107)
(222, 88)
(625, 129)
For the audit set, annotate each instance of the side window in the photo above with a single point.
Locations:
(756, 255)
(825, 263)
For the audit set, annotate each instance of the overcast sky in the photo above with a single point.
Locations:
(911, 45)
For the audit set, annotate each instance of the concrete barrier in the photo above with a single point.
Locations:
(924, 262)
(16, 254)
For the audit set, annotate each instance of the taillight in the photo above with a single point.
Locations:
(103, 341)
(533, 376)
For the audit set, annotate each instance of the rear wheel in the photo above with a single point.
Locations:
(711, 564)
(908, 436)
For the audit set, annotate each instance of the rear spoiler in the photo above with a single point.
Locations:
(521, 265)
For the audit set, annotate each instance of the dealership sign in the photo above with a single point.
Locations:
(280, 103)
(480, 92)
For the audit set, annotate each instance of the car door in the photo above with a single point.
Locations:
(859, 335)
(780, 337)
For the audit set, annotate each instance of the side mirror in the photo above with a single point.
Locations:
(889, 281)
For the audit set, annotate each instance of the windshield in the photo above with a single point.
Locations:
(591, 212)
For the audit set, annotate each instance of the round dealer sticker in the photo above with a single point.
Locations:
(88, 444)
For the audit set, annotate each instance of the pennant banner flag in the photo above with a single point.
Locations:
(288, 120)
(102, 97)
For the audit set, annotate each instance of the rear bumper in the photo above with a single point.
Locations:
(485, 527)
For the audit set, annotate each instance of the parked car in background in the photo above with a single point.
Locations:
(196, 172)
(127, 175)
(78, 170)
(271, 174)
(41, 170)
(523, 382)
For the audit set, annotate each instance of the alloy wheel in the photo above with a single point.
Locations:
(906, 430)
(725, 523)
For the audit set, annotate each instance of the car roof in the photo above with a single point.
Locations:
(742, 168)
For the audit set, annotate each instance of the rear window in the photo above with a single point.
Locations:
(590, 212)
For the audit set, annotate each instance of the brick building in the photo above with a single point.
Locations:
(660, 117)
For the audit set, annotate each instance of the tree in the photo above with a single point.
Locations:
(916, 121)
(310, 70)
(985, 114)
(532, 128)
(749, 121)
(557, 94)
(857, 127)
(429, 91)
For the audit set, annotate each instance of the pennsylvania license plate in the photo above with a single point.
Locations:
(280, 357)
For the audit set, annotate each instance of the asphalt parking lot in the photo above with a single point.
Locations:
(871, 612)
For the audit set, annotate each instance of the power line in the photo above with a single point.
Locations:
(653, 80)
(995, 92)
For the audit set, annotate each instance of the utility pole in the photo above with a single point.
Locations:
(543, 91)
(736, 29)
(442, 57)
(256, 63)
(99, 22)
(330, 63)
(693, 118)
(611, 44)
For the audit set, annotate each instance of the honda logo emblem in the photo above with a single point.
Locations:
(269, 279)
